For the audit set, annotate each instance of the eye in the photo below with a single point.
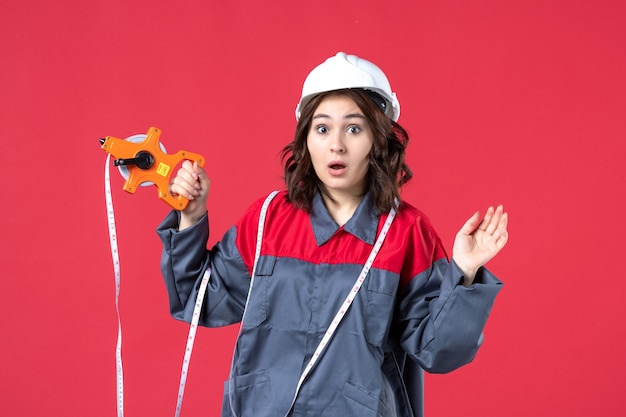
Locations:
(322, 129)
(354, 129)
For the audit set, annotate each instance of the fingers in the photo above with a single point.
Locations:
(494, 223)
(496, 227)
(487, 220)
(492, 219)
(501, 234)
(189, 180)
(496, 220)
(186, 181)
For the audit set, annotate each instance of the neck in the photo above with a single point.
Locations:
(341, 206)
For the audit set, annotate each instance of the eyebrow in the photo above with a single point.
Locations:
(347, 116)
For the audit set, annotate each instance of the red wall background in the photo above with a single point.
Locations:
(514, 102)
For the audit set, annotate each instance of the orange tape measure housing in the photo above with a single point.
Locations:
(161, 167)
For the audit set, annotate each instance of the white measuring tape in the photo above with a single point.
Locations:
(338, 316)
(190, 339)
(119, 371)
(116, 268)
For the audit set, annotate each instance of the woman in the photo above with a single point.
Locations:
(300, 351)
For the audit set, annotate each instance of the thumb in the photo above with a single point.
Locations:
(471, 224)
(201, 176)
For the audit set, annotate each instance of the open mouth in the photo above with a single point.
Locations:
(336, 168)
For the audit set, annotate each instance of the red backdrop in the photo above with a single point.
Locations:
(512, 102)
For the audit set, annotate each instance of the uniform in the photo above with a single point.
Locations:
(411, 313)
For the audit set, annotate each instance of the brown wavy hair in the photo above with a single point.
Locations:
(387, 168)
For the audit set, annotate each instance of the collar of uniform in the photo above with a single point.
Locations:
(363, 223)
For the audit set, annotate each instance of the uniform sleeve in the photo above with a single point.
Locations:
(440, 320)
(183, 262)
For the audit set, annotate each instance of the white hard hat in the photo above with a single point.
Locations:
(349, 71)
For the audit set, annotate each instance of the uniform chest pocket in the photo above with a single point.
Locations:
(381, 296)
(258, 304)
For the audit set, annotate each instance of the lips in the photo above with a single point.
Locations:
(337, 168)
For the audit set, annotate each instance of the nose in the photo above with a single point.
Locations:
(337, 144)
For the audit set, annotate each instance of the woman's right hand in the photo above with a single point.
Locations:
(192, 183)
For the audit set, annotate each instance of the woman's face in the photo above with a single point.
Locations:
(339, 142)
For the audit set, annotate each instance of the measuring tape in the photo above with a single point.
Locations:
(200, 299)
(141, 158)
(145, 161)
(191, 338)
(119, 370)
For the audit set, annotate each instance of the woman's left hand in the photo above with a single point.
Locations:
(479, 241)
